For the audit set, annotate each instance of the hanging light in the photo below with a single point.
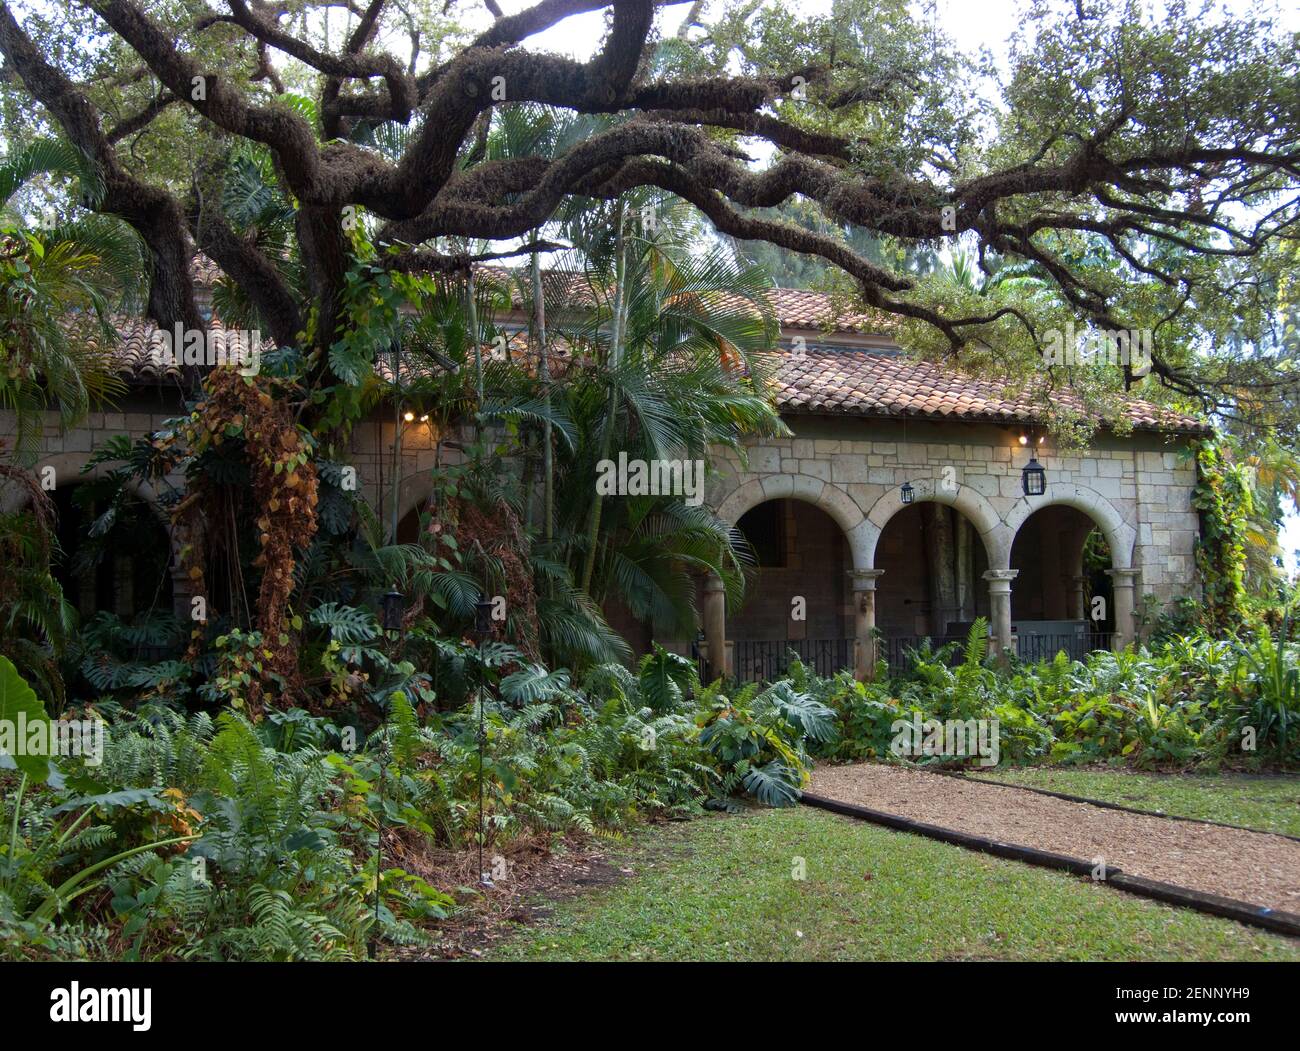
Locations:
(1032, 477)
(408, 416)
(392, 604)
(907, 492)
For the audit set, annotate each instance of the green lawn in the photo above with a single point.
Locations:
(721, 888)
(1268, 803)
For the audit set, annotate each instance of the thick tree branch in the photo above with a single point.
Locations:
(155, 214)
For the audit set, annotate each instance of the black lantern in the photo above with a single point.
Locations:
(483, 617)
(391, 605)
(1033, 478)
(907, 493)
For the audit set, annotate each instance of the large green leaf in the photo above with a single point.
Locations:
(664, 678)
(18, 700)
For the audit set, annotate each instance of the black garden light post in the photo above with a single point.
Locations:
(482, 629)
(392, 604)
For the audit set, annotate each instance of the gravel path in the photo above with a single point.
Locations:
(1254, 867)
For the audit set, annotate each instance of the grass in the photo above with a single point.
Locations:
(722, 888)
(1268, 803)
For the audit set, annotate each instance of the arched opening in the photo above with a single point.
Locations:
(408, 526)
(1062, 598)
(798, 596)
(933, 582)
(113, 555)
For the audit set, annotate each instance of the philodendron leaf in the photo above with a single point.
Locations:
(20, 708)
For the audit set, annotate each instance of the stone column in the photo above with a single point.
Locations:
(864, 622)
(1074, 586)
(1000, 608)
(715, 626)
(1124, 583)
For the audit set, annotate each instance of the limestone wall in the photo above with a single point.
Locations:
(370, 451)
(1136, 488)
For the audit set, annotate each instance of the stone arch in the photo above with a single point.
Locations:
(1119, 534)
(826, 496)
(993, 533)
(413, 491)
(67, 470)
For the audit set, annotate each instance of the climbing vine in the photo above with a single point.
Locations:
(284, 488)
(1223, 498)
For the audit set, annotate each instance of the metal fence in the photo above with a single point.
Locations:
(1076, 645)
(762, 660)
(1030, 647)
(895, 648)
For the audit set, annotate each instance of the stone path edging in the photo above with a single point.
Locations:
(1106, 805)
(1229, 908)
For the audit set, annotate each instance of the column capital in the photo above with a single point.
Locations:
(713, 583)
(865, 579)
(1000, 579)
(1123, 578)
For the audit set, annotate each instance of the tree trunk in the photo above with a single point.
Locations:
(544, 375)
(615, 356)
(476, 339)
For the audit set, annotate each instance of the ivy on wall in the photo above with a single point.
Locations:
(1223, 498)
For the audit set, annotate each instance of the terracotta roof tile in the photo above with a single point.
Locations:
(834, 381)
(871, 383)
(135, 356)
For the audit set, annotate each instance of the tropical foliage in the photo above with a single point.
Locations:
(1191, 701)
(342, 687)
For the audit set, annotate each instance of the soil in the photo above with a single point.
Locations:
(540, 872)
(1254, 867)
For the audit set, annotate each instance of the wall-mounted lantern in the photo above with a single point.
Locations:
(1033, 478)
(907, 492)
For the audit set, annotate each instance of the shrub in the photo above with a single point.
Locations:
(1192, 701)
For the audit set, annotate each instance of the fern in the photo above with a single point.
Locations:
(977, 643)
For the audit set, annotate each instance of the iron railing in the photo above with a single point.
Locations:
(1076, 645)
(895, 648)
(762, 660)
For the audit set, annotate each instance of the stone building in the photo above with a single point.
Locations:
(840, 514)
(893, 466)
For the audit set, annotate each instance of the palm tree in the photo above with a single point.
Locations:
(37, 621)
(675, 366)
(1274, 473)
(60, 282)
